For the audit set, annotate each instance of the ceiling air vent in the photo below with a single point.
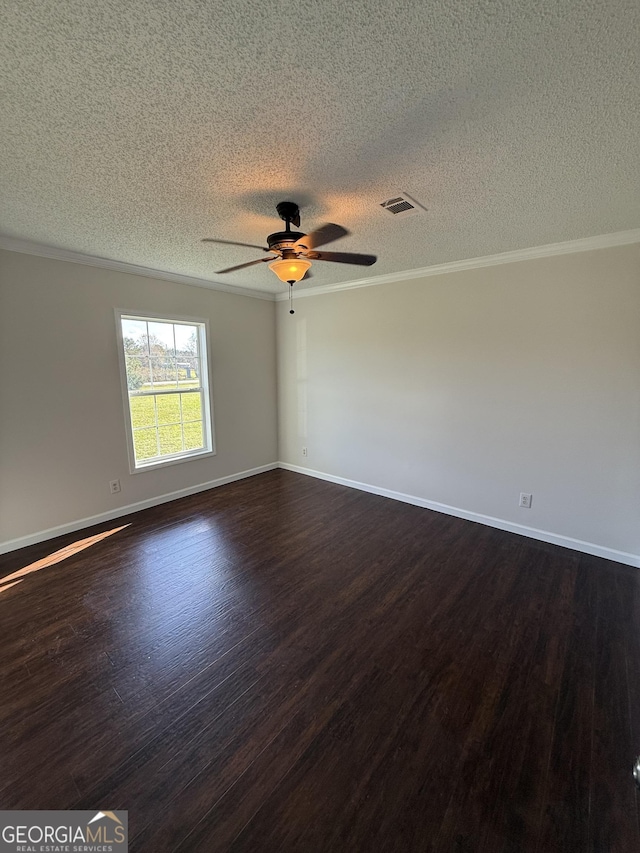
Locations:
(402, 205)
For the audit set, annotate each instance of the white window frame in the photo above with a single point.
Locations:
(209, 448)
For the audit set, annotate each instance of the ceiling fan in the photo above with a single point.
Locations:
(291, 253)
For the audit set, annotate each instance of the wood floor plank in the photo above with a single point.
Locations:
(612, 822)
(284, 664)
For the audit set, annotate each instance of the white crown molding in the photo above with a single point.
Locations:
(490, 521)
(26, 247)
(586, 244)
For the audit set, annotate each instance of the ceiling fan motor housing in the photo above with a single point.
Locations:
(283, 239)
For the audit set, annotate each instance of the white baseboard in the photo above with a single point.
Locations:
(490, 521)
(52, 532)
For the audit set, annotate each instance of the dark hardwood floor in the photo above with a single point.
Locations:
(283, 664)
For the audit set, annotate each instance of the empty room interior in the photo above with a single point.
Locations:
(320, 425)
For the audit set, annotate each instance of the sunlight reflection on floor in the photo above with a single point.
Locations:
(56, 557)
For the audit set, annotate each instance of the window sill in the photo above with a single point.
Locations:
(170, 460)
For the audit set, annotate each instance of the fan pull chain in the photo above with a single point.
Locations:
(291, 311)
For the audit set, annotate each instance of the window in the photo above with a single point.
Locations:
(164, 373)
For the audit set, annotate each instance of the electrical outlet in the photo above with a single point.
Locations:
(114, 486)
(525, 500)
(304, 451)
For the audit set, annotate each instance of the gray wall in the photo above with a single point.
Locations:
(468, 388)
(460, 390)
(62, 428)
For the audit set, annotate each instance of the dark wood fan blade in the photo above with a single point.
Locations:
(342, 258)
(249, 264)
(233, 243)
(327, 233)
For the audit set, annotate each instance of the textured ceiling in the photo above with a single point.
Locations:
(130, 130)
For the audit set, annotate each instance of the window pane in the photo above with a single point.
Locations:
(193, 436)
(170, 438)
(134, 334)
(188, 371)
(144, 441)
(186, 339)
(168, 408)
(137, 372)
(143, 412)
(161, 338)
(191, 406)
(164, 372)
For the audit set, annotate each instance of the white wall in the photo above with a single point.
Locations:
(62, 428)
(468, 388)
